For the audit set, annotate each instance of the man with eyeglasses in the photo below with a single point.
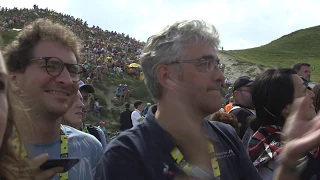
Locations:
(243, 105)
(183, 73)
(44, 72)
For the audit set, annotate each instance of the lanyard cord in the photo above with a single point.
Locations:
(85, 129)
(64, 149)
(192, 169)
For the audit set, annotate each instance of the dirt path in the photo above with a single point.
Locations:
(234, 69)
(110, 96)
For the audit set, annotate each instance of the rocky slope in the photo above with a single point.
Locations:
(235, 68)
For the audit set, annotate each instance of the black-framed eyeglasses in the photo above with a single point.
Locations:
(54, 67)
(204, 64)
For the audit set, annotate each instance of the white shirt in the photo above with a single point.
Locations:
(136, 117)
(96, 103)
(222, 110)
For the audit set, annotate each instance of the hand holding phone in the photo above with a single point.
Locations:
(47, 174)
(66, 163)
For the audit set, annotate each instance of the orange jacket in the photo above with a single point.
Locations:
(228, 107)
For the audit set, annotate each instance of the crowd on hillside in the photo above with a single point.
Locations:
(104, 52)
(269, 128)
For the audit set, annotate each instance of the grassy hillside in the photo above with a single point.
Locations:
(7, 36)
(105, 91)
(301, 45)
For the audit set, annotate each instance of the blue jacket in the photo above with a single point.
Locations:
(143, 152)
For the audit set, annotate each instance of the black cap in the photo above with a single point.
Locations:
(242, 81)
(87, 87)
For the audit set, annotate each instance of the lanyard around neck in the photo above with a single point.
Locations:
(64, 149)
(85, 129)
(187, 167)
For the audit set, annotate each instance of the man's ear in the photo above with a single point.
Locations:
(14, 81)
(235, 94)
(163, 74)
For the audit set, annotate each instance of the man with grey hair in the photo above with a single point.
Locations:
(182, 71)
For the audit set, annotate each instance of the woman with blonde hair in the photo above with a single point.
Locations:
(11, 165)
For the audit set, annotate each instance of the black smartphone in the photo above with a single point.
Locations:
(66, 163)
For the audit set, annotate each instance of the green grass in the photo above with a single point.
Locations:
(8, 36)
(112, 106)
(300, 46)
(137, 87)
(109, 115)
(112, 110)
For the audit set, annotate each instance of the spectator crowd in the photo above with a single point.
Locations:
(268, 129)
(105, 53)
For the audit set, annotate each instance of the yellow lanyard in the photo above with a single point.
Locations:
(63, 150)
(85, 129)
(187, 168)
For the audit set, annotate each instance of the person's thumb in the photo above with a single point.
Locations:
(39, 160)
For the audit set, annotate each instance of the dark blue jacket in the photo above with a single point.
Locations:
(143, 152)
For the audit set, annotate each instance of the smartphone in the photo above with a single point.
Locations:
(67, 163)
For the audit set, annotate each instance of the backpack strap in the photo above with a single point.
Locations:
(238, 107)
(93, 131)
(234, 108)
